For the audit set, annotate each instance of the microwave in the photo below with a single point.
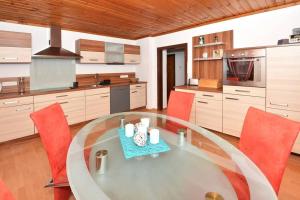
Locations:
(244, 67)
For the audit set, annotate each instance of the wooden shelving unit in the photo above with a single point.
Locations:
(210, 67)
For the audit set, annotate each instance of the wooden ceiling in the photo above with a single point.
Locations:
(131, 19)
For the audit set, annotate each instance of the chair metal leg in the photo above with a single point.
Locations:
(52, 184)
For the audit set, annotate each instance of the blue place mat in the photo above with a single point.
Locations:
(130, 149)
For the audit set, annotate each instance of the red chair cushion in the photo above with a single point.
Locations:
(267, 139)
(5, 194)
(180, 105)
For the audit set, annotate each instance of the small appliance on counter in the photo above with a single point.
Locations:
(193, 82)
(105, 82)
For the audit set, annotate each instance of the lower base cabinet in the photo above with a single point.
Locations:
(74, 108)
(15, 122)
(137, 96)
(289, 115)
(235, 108)
(97, 103)
(209, 114)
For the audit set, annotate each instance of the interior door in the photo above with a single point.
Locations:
(170, 74)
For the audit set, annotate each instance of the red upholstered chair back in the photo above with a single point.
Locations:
(55, 135)
(267, 139)
(180, 105)
(5, 194)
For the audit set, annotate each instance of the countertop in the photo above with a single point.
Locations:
(41, 92)
(196, 88)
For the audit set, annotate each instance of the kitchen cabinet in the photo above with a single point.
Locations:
(137, 96)
(283, 78)
(15, 47)
(235, 108)
(289, 115)
(283, 84)
(91, 51)
(14, 118)
(206, 110)
(97, 103)
(209, 113)
(72, 103)
(131, 54)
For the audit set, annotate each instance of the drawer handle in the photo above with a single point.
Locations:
(208, 95)
(93, 59)
(230, 98)
(134, 92)
(284, 115)
(104, 96)
(138, 86)
(22, 109)
(10, 102)
(63, 102)
(242, 91)
(278, 104)
(203, 102)
(65, 95)
(10, 58)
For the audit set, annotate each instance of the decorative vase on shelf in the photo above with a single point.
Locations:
(201, 40)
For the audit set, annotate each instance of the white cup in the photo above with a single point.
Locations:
(154, 136)
(129, 130)
(145, 122)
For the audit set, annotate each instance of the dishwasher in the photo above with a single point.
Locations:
(119, 99)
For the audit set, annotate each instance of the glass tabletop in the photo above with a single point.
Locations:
(197, 163)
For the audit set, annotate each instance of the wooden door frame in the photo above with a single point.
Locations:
(182, 46)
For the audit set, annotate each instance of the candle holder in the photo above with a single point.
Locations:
(181, 138)
(101, 161)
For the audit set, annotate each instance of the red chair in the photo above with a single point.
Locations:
(267, 139)
(179, 106)
(56, 138)
(5, 194)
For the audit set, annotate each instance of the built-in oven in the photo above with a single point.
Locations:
(244, 67)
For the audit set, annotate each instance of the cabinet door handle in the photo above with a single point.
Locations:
(10, 58)
(230, 98)
(242, 91)
(66, 116)
(208, 95)
(203, 102)
(93, 59)
(22, 109)
(10, 102)
(65, 95)
(134, 92)
(138, 86)
(279, 104)
(104, 96)
(63, 102)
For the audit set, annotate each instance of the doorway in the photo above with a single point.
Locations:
(171, 71)
(170, 74)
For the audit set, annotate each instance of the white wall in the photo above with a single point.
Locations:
(254, 30)
(40, 38)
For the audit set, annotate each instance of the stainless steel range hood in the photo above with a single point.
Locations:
(55, 50)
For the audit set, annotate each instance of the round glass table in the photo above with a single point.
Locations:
(198, 164)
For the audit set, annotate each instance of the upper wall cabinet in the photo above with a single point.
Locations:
(15, 47)
(131, 54)
(91, 51)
